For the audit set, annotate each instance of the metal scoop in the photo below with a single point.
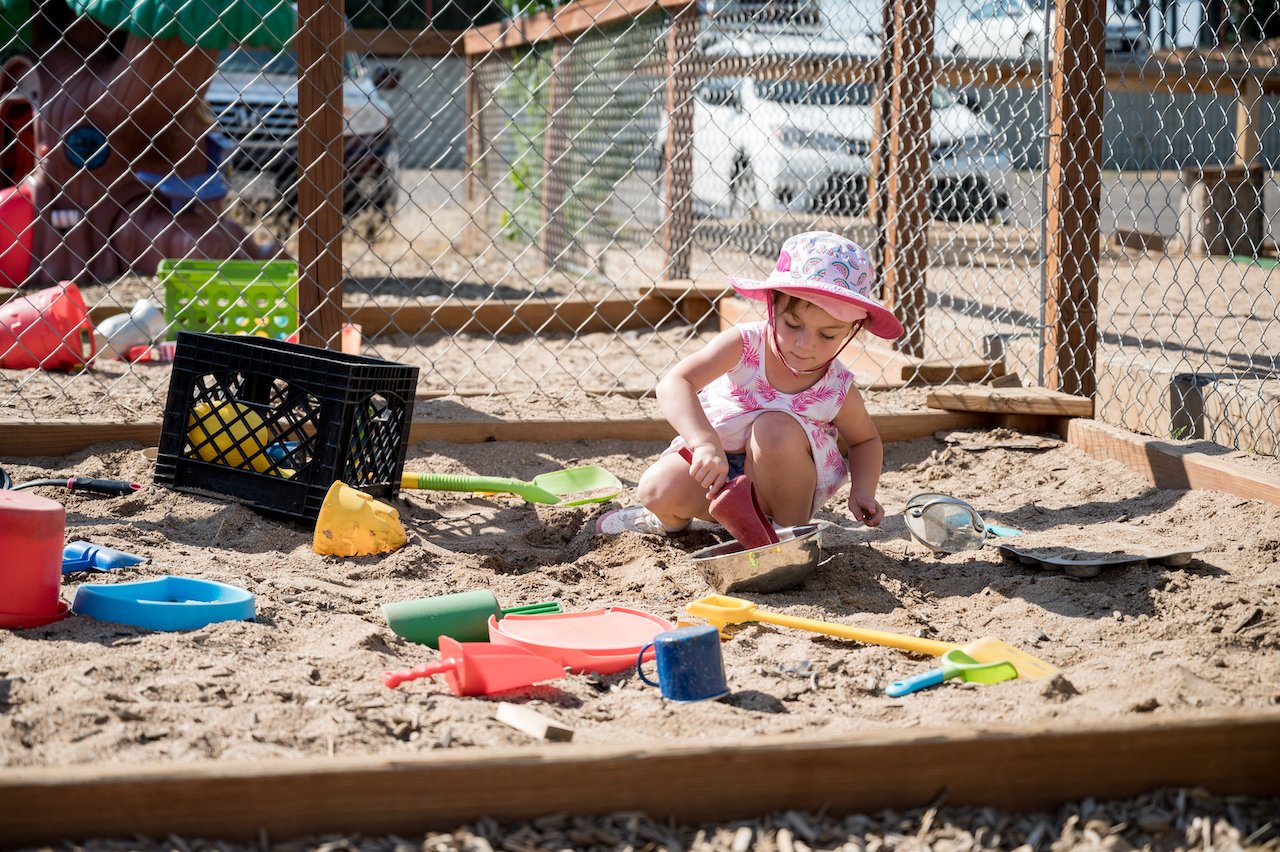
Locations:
(572, 487)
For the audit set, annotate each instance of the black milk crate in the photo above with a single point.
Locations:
(272, 424)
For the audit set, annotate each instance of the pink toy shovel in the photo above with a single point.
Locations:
(478, 668)
(737, 508)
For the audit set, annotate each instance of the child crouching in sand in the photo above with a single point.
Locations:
(769, 399)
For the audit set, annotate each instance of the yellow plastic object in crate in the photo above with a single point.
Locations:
(231, 296)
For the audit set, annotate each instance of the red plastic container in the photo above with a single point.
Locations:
(31, 528)
(49, 328)
(17, 215)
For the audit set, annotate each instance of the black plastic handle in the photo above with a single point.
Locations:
(114, 487)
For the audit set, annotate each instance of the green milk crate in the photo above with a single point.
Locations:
(258, 298)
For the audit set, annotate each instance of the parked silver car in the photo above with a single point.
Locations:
(254, 96)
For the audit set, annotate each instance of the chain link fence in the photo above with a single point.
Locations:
(541, 211)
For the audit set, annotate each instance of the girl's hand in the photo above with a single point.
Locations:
(709, 468)
(865, 508)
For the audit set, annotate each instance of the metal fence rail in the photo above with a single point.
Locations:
(543, 209)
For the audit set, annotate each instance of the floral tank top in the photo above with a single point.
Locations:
(733, 401)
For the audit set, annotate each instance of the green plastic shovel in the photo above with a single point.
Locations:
(955, 663)
(573, 487)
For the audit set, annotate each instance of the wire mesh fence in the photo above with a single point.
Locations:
(546, 208)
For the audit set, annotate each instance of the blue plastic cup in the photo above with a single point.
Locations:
(690, 665)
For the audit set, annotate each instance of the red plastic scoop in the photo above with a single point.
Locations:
(478, 668)
(737, 508)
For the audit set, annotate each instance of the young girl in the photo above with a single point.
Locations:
(769, 398)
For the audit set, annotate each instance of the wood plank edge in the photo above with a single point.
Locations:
(21, 439)
(1167, 465)
(1018, 770)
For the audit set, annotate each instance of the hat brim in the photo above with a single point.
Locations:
(880, 321)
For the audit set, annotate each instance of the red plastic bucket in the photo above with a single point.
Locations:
(17, 214)
(31, 528)
(49, 328)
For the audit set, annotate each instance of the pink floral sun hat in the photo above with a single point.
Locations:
(832, 272)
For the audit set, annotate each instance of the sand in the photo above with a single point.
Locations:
(1149, 640)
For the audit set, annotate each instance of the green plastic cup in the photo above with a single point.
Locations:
(463, 616)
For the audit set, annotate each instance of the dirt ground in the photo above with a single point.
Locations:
(303, 678)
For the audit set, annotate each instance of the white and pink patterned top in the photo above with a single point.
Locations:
(733, 401)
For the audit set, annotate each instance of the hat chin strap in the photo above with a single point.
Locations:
(777, 346)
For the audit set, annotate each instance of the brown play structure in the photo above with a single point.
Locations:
(107, 138)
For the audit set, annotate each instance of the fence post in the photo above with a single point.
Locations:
(1074, 197)
(555, 147)
(881, 104)
(1248, 120)
(907, 169)
(677, 230)
(320, 41)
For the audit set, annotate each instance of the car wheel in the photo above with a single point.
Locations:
(744, 194)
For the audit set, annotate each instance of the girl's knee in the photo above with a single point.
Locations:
(658, 487)
(776, 433)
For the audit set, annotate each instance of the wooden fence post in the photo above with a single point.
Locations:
(907, 169)
(555, 148)
(1074, 197)
(677, 230)
(1248, 120)
(881, 103)
(320, 41)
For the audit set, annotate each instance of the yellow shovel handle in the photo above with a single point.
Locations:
(931, 647)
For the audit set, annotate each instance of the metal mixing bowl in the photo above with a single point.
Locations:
(772, 568)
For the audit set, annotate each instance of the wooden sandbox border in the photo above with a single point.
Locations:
(1018, 770)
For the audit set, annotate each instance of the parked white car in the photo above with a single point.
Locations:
(791, 145)
(1015, 29)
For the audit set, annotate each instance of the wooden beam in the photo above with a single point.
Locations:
(409, 794)
(319, 41)
(1010, 401)
(677, 226)
(26, 439)
(554, 239)
(512, 317)
(566, 21)
(395, 43)
(1074, 197)
(52, 438)
(937, 372)
(906, 170)
(1167, 465)
(504, 317)
(1248, 122)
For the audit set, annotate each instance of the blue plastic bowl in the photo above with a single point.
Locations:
(165, 603)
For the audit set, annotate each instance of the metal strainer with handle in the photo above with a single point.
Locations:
(948, 524)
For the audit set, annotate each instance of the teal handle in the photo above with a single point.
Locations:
(534, 609)
(996, 529)
(915, 683)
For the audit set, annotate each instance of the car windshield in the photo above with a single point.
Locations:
(257, 60)
(818, 94)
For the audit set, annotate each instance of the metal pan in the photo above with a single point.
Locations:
(777, 567)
